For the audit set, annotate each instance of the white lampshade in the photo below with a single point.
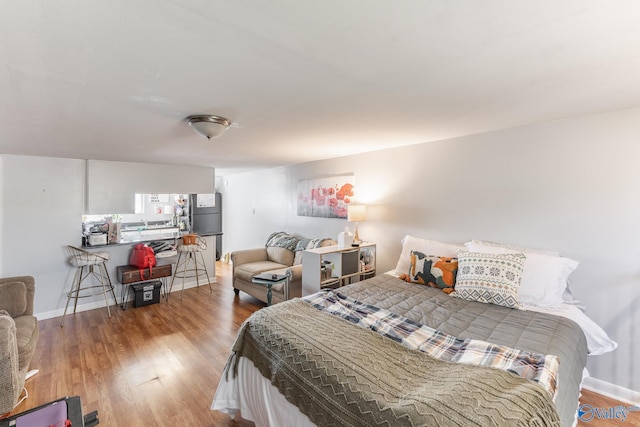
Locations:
(209, 126)
(356, 213)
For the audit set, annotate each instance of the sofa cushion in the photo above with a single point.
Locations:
(14, 298)
(280, 255)
(248, 271)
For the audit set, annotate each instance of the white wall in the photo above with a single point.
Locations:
(1, 217)
(111, 185)
(569, 185)
(41, 206)
(42, 213)
(257, 200)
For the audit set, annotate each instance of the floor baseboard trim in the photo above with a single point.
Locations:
(101, 304)
(611, 390)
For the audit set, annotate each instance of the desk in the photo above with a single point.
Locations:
(128, 274)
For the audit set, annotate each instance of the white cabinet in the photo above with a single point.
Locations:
(335, 266)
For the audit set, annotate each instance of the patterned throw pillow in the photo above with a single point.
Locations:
(280, 239)
(434, 271)
(304, 245)
(489, 278)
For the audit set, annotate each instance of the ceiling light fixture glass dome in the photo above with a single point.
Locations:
(208, 126)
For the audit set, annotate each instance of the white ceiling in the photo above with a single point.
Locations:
(302, 80)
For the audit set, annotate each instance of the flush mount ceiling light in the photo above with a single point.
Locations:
(208, 126)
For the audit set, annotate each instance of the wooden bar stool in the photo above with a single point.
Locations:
(189, 265)
(89, 264)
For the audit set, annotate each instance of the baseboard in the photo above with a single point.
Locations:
(611, 390)
(101, 304)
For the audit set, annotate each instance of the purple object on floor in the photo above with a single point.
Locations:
(51, 415)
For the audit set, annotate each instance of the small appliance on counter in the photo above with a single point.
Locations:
(96, 239)
(95, 233)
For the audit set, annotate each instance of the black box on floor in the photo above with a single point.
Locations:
(146, 293)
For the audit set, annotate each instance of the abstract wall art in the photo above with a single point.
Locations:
(325, 197)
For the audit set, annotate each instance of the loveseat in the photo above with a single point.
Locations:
(18, 337)
(281, 254)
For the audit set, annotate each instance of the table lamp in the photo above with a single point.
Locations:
(356, 213)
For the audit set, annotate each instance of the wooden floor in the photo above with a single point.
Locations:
(158, 365)
(598, 401)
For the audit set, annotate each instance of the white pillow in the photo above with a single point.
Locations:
(427, 247)
(544, 278)
(514, 248)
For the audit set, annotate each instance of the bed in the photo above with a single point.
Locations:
(312, 361)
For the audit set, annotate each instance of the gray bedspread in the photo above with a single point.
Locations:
(340, 374)
(526, 330)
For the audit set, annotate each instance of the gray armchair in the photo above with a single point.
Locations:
(18, 337)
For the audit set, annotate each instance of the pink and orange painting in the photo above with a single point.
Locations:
(325, 197)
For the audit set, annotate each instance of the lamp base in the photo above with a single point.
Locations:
(356, 238)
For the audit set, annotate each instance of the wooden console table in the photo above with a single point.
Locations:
(128, 274)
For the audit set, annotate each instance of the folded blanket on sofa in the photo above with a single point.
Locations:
(281, 239)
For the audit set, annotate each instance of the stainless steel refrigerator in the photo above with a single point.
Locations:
(206, 216)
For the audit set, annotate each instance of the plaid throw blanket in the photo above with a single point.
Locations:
(542, 369)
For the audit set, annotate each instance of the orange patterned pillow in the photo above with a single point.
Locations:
(434, 271)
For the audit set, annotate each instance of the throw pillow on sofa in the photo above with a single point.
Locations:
(306, 244)
(282, 239)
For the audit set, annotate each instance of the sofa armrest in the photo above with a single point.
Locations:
(17, 294)
(11, 382)
(296, 273)
(249, 255)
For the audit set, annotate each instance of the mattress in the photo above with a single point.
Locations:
(519, 329)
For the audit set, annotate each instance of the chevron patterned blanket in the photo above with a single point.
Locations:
(339, 374)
